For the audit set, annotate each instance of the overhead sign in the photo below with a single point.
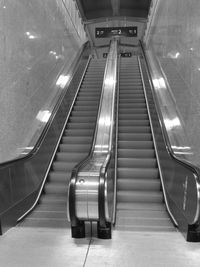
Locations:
(115, 31)
(125, 54)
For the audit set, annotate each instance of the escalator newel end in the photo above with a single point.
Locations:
(78, 231)
(104, 232)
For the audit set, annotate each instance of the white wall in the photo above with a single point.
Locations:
(37, 38)
(174, 38)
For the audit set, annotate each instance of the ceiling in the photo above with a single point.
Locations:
(113, 13)
(92, 10)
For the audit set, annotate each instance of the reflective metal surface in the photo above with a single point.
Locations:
(180, 179)
(89, 173)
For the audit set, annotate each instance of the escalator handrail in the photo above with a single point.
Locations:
(116, 144)
(38, 143)
(76, 169)
(190, 166)
(58, 142)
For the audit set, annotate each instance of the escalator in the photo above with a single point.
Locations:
(74, 146)
(140, 204)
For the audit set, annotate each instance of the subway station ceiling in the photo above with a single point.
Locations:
(114, 13)
(93, 9)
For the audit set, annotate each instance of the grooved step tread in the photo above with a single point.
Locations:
(67, 157)
(140, 206)
(137, 173)
(139, 196)
(135, 136)
(137, 163)
(138, 184)
(136, 144)
(45, 222)
(136, 153)
(62, 166)
(134, 129)
(55, 176)
(132, 122)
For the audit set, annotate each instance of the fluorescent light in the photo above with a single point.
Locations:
(62, 81)
(170, 124)
(159, 83)
(105, 121)
(43, 115)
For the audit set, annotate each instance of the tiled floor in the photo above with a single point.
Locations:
(30, 247)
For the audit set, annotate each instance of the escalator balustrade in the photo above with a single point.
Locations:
(75, 146)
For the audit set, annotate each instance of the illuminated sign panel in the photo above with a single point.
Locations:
(115, 31)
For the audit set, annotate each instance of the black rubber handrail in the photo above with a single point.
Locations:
(44, 131)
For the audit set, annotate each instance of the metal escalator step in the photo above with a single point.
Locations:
(140, 196)
(53, 199)
(133, 117)
(132, 105)
(83, 113)
(90, 88)
(133, 100)
(137, 163)
(136, 153)
(68, 157)
(139, 184)
(128, 173)
(62, 166)
(132, 110)
(59, 215)
(79, 132)
(74, 147)
(56, 188)
(76, 139)
(141, 206)
(84, 108)
(55, 176)
(136, 144)
(129, 122)
(87, 102)
(135, 136)
(92, 84)
(81, 125)
(142, 224)
(131, 86)
(132, 93)
(81, 119)
(54, 207)
(93, 77)
(89, 94)
(134, 129)
(144, 213)
(126, 82)
(46, 223)
(87, 98)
